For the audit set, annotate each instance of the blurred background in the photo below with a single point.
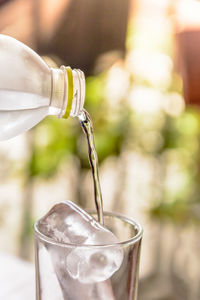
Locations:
(142, 63)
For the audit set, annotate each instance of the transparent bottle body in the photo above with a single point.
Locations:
(29, 89)
(25, 88)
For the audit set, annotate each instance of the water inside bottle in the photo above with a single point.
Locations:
(20, 111)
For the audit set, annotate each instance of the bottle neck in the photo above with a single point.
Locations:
(67, 92)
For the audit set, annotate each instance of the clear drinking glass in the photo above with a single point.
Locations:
(53, 282)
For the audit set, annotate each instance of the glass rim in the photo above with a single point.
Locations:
(126, 242)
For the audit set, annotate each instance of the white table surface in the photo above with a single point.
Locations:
(17, 279)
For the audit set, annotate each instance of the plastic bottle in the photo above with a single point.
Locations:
(30, 90)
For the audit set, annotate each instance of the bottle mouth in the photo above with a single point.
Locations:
(75, 94)
(78, 92)
(68, 91)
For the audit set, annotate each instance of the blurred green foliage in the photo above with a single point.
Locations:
(59, 141)
(55, 140)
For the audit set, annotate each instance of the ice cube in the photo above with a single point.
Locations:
(57, 284)
(68, 223)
